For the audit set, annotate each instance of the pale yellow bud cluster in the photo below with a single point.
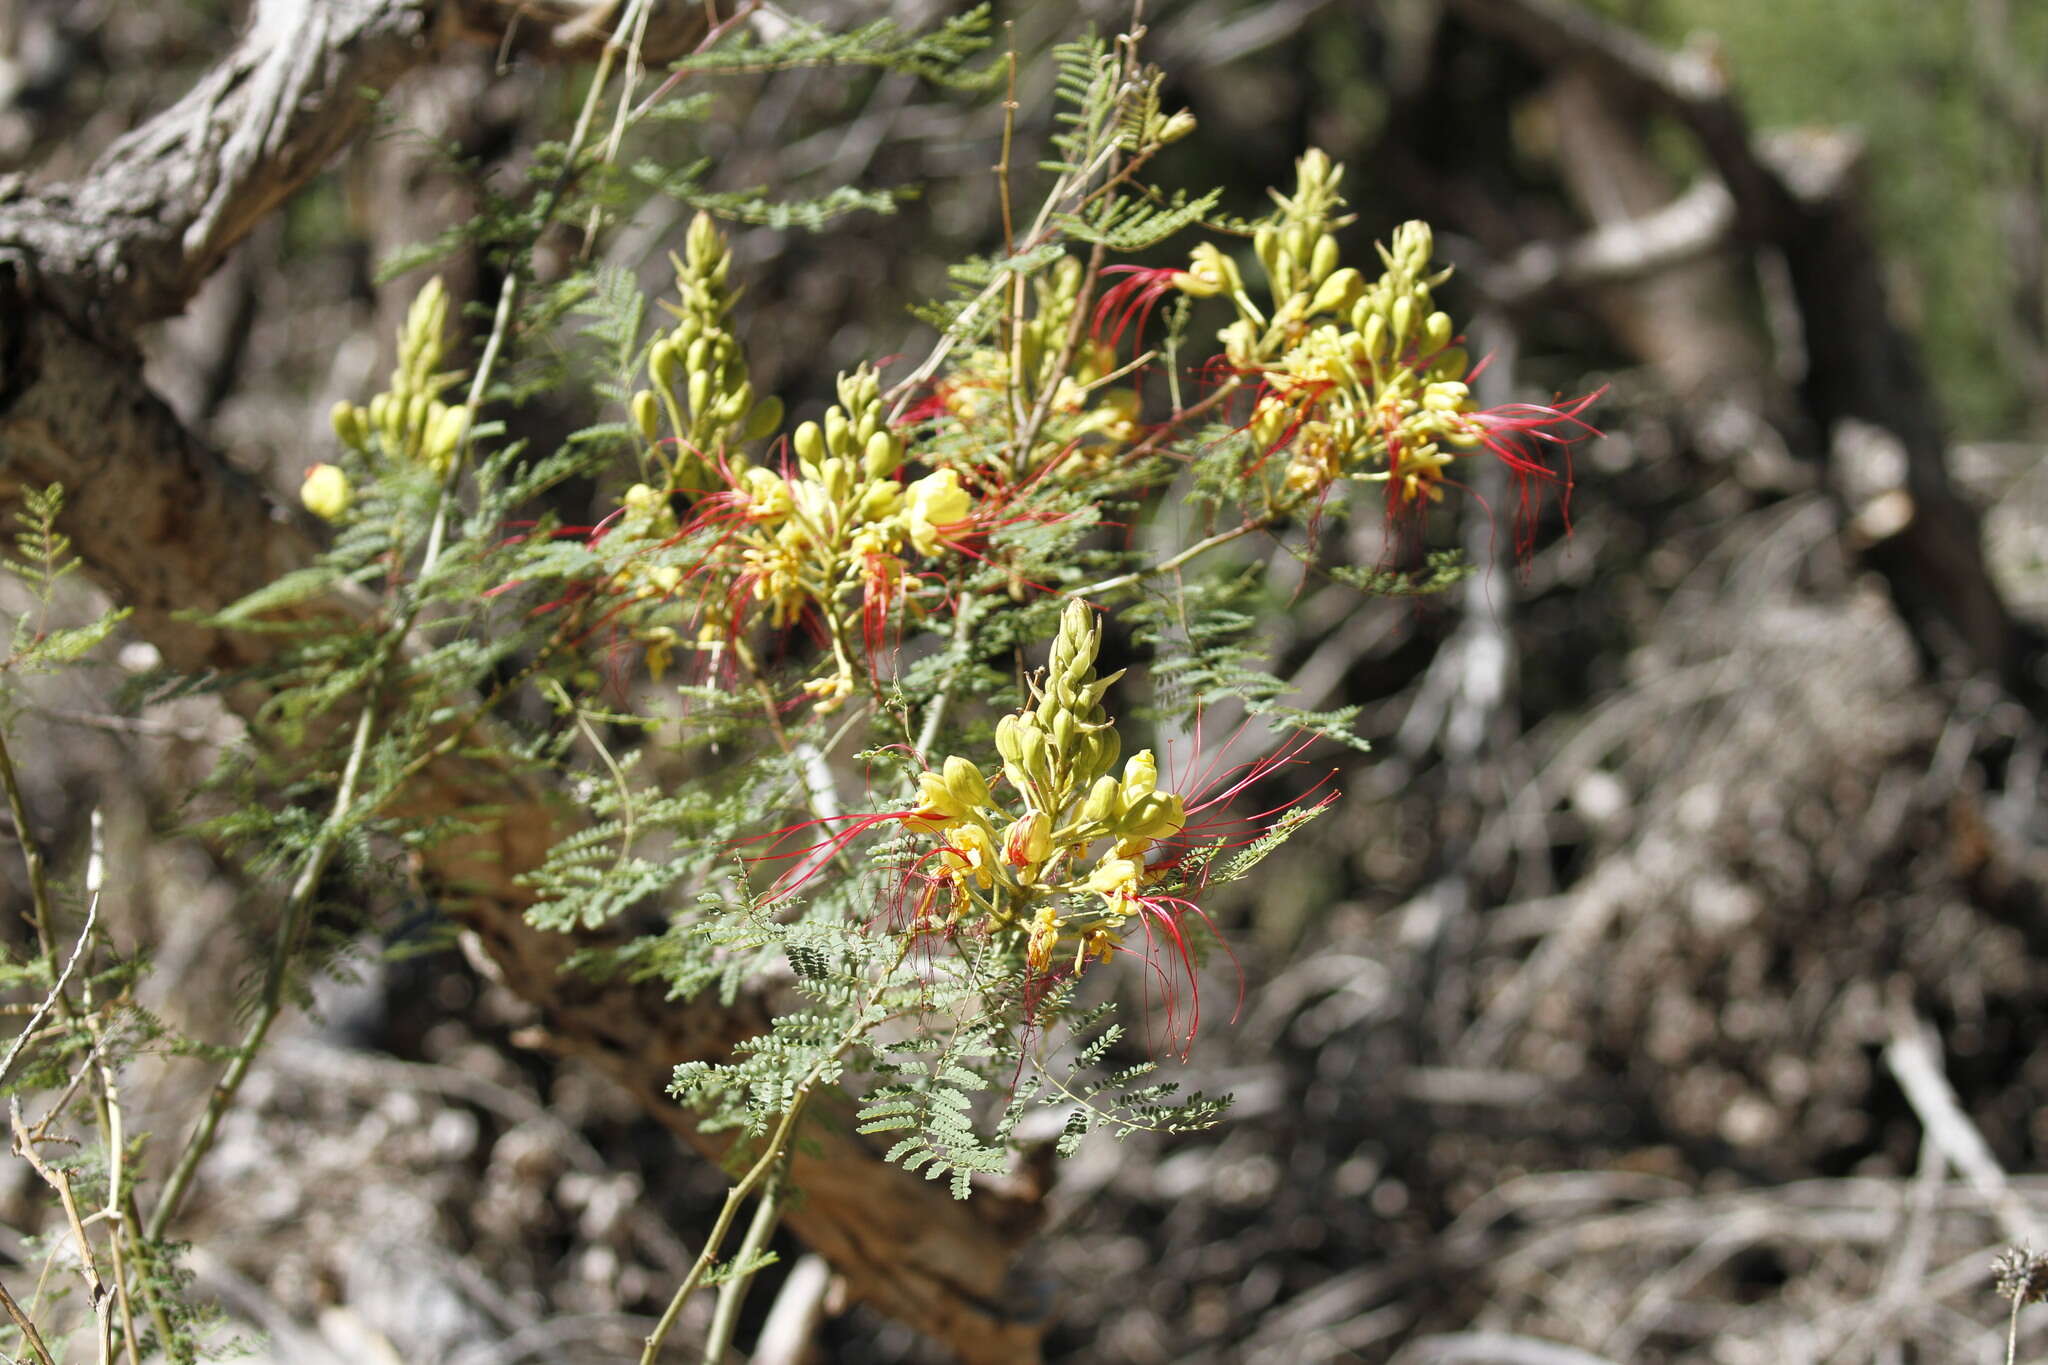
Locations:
(1361, 378)
(409, 423)
(1069, 867)
(699, 391)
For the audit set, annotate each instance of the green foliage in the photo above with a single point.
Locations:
(1128, 226)
(1204, 645)
(42, 559)
(939, 56)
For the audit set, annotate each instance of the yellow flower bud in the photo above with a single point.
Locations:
(1446, 397)
(1323, 258)
(1339, 291)
(1437, 329)
(647, 415)
(1402, 317)
(882, 455)
(445, 429)
(326, 492)
(1373, 333)
(349, 426)
(705, 243)
(762, 421)
(1007, 740)
(836, 478)
(664, 364)
(879, 501)
(809, 443)
(966, 784)
(1104, 804)
(1312, 168)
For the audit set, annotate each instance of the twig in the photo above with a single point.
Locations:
(31, 853)
(935, 714)
(794, 1316)
(29, 1333)
(59, 1180)
(56, 994)
(769, 1161)
(501, 324)
(1911, 1058)
(120, 1209)
(1169, 564)
(733, 1293)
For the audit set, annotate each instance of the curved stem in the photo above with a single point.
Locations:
(770, 1159)
(733, 1293)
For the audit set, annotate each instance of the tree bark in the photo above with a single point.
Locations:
(166, 526)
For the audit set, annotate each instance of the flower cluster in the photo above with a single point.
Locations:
(1062, 861)
(1357, 380)
(409, 423)
(827, 536)
(830, 533)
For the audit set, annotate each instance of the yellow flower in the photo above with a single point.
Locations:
(829, 692)
(1209, 273)
(970, 857)
(935, 501)
(1116, 881)
(936, 805)
(1045, 932)
(768, 493)
(1028, 843)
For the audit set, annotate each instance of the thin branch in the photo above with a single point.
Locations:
(770, 1160)
(733, 1293)
(1912, 1059)
(27, 1328)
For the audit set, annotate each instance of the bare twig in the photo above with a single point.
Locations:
(50, 1001)
(29, 1334)
(1913, 1061)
